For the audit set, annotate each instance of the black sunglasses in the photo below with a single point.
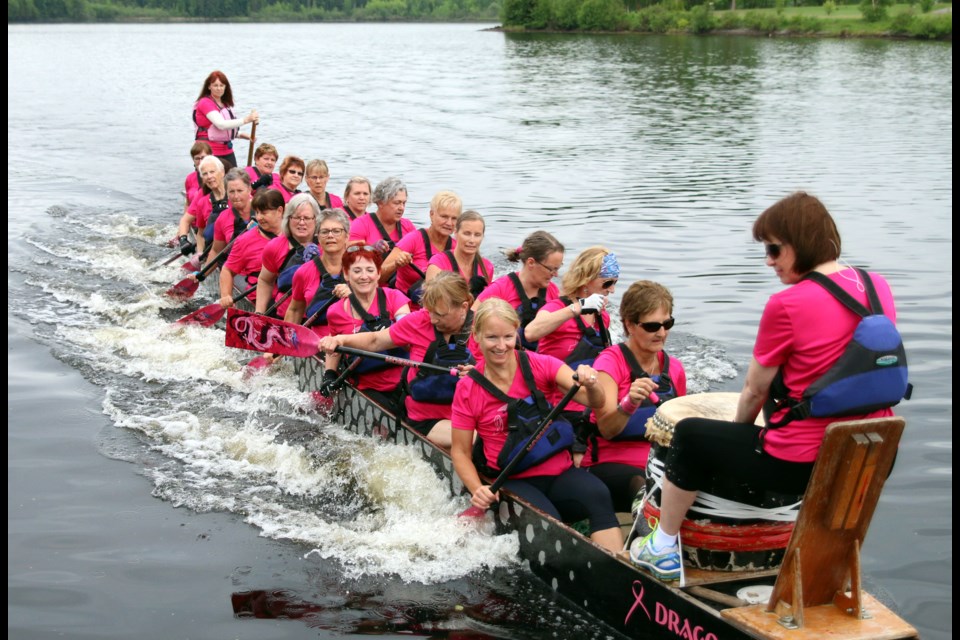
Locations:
(773, 250)
(365, 247)
(653, 327)
(606, 284)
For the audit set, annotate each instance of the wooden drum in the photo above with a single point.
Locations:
(732, 526)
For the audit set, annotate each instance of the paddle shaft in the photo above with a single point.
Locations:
(253, 139)
(541, 429)
(276, 304)
(403, 362)
(204, 271)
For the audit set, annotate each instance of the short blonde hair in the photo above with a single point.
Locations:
(493, 308)
(446, 200)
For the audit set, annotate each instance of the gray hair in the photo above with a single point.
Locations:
(337, 215)
(387, 189)
(236, 173)
(290, 210)
(214, 160)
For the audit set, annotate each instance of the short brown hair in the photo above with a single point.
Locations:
(801, 221)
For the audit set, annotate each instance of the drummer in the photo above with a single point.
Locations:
(803, 332)
(636, 376)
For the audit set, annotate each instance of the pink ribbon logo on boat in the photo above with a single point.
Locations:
(262, 335)
(637, 601)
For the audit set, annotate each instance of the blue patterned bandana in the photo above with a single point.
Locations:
(610, 268)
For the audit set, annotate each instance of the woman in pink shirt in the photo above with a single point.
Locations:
(291, 175)
(211, 200)
(369, 308)
(284, 254)
(506, 391)
(575, 326)
(439, 334)
(317, 177)
(214, 118)
(418, 248)
(264, 161)
(465, 257)
(246, 255)
(803, 331)
(386, 226)
(192, 185)
(530, 287)
(356, 197)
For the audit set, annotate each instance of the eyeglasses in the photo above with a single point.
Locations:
(303, 219)
(295, 172)
(773, 250)
(653, 327)
(331, 232)
(606, 284)
(553, 270)
(365, 247)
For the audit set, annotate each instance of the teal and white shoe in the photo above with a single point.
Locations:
(664, 564)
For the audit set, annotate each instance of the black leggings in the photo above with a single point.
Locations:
(703, 449)
(623, 481)
(571, 496)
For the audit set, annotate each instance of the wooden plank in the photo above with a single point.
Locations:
(854, 452)
(824, 621)
(828, 554)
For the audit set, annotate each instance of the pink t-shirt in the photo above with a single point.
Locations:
(200, 208)
(632, 452)
(254, 176)
(286, 193)
(223, 226)
(192, 186)
(443, 262)
(804, 329)
(205, 106)
(474, 409)
(246, 256)
(365, 229)
(415, 332)
(335, 202)
(273, 256)
(341, 321)
(413, 244)
(561, 342)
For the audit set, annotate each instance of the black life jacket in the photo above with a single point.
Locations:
(528, 308)
(291, 262)
(478, 279)
(593, 340)
(216, 207)
(415, 292)
(636, 426)
(371, 323)
(324, 293)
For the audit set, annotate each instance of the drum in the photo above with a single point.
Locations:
(732, 526)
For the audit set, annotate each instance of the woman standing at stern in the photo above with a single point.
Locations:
(215, 121)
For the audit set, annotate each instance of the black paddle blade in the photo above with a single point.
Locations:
(184, 289)
(205, 317)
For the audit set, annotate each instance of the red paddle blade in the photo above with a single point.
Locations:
(193, 264)
(247, 330)
(321, 403)
(473, 512)
(205, 317)
(255, 366)
(184, 289)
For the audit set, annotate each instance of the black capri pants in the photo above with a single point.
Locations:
(571, 496)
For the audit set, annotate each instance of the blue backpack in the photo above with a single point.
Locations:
(871, 373)
(437, 387)
(370, 324)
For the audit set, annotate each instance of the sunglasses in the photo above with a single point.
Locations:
(772, 249)
(653, 327)
(606, 284)
(295, 172)
(365, 247)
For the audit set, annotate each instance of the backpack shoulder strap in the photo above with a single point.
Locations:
(453, 261)
(527, 373)
(489, 387)
(480, 268)
(584, 329)
(363, 313)
(426, 242)
(382, 229)
(635, 369)
(845, 298)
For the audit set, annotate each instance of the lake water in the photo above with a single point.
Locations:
(150, 486)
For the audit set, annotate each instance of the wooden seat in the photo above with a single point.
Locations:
(820, 576)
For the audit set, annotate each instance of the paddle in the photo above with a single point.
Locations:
(189, 285)
(477, 512)
(209, 315)
(262, 362)
(253, 139)
(403, 362)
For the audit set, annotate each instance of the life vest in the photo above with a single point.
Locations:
(527, 310)
(216, 207)
(524, 415)
(479, 280)
(371, 323)
(213, 133)
(437, 387)
(415, 292)
(392, 280)
(324, 293)
(593, 340)
(871, 373)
